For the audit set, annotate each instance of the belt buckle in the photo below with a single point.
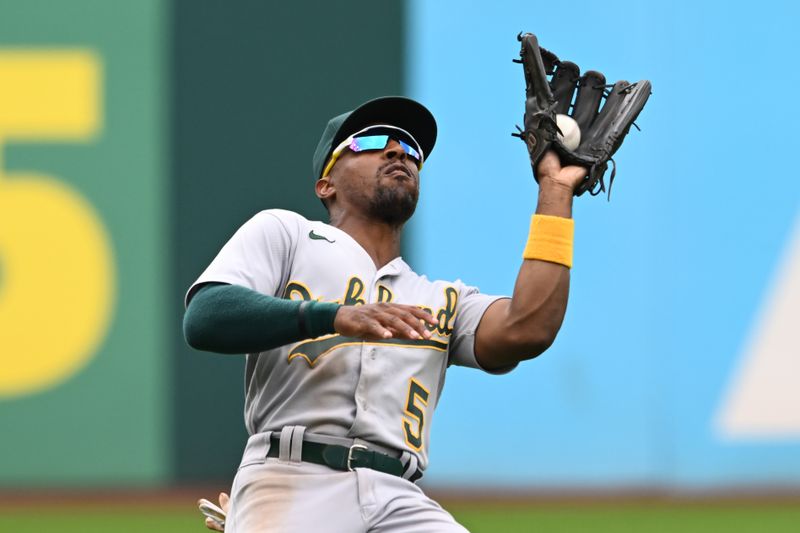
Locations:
(350, 454)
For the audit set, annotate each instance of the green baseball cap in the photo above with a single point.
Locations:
(397, 111)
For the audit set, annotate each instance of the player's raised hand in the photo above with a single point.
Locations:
(383, 321)
(550, 172)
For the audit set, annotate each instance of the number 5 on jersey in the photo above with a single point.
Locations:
(416, 403)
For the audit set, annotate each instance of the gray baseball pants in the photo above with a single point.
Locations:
(281, 495)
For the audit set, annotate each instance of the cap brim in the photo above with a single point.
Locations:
(397, 111)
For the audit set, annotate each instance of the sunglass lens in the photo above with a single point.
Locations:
(410, 150)
(379, 142)
(370, 142)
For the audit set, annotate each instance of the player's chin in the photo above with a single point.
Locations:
(394, 204)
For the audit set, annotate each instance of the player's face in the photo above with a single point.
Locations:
(382, 184)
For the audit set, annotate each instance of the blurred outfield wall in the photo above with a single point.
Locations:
(135, 137)
(83, 243)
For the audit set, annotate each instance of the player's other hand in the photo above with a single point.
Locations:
(550, 173)
(383, 321)
(224, 504)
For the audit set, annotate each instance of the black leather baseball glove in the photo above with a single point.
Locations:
(551, 85)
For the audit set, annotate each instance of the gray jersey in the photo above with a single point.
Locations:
(382, 391)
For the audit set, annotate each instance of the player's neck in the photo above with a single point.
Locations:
(381, 241)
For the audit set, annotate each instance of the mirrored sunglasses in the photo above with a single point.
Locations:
(364, 140)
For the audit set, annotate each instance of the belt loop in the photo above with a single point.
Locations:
(410, 466)
(284, 453)
(265, 443)
(296, 450)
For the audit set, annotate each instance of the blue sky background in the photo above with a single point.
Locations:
(669, 276)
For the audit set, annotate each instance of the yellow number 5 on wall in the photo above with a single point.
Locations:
(56, 264)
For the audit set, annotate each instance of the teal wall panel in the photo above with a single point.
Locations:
(255, 84)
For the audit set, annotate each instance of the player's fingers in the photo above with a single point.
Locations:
(401, 323)
(371, 328)
(224, 501)
(414, 327)
(423, 315)
(388, 320)
(213, 525)
(417, 312)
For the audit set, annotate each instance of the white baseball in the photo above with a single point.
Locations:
(571, 137)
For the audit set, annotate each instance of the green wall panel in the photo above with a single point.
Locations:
(97, 387)
(84, 346)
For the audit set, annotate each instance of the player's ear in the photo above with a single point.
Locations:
(324, 188)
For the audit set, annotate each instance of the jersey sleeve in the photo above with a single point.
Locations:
(471, 306)
(258, 256)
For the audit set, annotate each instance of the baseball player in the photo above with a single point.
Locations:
(347, 347)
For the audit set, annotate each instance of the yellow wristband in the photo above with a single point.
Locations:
(550, 240)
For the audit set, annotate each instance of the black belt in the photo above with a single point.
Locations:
(342, 457)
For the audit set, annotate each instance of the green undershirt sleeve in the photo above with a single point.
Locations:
(233, 319)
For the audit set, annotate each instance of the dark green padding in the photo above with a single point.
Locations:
(232, 319)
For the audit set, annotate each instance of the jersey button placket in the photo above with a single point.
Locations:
(368, 355)
(366, 352)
